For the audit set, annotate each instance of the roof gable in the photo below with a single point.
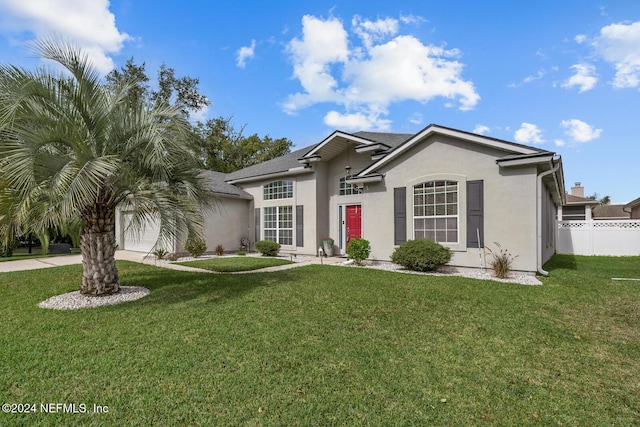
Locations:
(513, 150)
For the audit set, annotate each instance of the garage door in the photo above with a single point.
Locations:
(139, 242)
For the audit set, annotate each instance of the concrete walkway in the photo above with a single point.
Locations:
(57, 261)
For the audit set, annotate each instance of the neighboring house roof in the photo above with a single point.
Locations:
(633, 204)
(609, 212)
(217, 184)
(577, 200)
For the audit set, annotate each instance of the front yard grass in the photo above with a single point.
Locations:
(326, 345)
(234, 264)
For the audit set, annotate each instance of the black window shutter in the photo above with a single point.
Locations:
(399, 215)
(475, 213)
(299, 225)
(257, 222)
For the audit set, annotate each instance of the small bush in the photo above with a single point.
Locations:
(268, 248)
(421, 255)
(219, 250)
(160, 253)
(242, 252)
(172, 256)
(358, 250)
(6, 250)
(195, 247)
(501, 261)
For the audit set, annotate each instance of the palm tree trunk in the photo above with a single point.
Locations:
(98, 245)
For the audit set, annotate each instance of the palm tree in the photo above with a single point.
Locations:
(72, 147)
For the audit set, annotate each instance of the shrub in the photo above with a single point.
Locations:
(421, 255)
(268, 248)
(219, 250)
(195, 247)
(160, 253)
(358, 250)
(173, 256)
(7, 246)
(501, 261)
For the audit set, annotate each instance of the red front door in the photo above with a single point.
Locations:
(354, 222)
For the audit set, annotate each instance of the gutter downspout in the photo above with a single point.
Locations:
(539, 217)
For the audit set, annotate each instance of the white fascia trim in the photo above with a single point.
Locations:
(335, 135)
(453, 133)
(291, 172)
(526, 161)
(372, 147)
(364, 180)
(307, 160)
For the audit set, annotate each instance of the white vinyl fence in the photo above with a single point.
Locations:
(618, 237)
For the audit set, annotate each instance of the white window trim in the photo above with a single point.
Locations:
(461, 246)
(277, 228)
(436, 216)
(289, 183)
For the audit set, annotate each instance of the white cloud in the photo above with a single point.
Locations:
(559, 143)
(540, 74)
(356, 121)
(200, 115)
(370, 31)
(580, 38)
(366, 79)
(89, 24)
(580, 131)
(244, 53)
(528, 134)
(481, 129)
(416, 119)
(584, 77)
(619, 44)
(412, 19)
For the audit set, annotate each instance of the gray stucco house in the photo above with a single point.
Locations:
(461, 189)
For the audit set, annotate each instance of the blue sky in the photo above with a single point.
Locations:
(560, 75)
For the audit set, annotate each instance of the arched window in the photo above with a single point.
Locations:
(435, 211)
(278, 190)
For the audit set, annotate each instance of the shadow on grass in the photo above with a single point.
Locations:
(174, 287)
(561, 262)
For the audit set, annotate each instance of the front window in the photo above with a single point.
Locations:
(347, 189)
(435, 211)
(278, 190)
(278, 224)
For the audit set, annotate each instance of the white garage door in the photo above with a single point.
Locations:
(139, 242)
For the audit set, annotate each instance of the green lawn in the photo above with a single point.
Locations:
(232, 264)
(325, 345)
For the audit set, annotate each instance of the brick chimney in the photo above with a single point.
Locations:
(577, 190)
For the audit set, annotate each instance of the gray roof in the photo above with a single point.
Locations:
(279, 164)
(288, 161)
(217, 184)
(391, 139)
(609, 211)
(577, 200)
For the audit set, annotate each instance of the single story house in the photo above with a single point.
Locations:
(609, 212)
(633, 208)
(461, 189)
(576, 206)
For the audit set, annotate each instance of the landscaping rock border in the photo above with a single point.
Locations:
(75, 300)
